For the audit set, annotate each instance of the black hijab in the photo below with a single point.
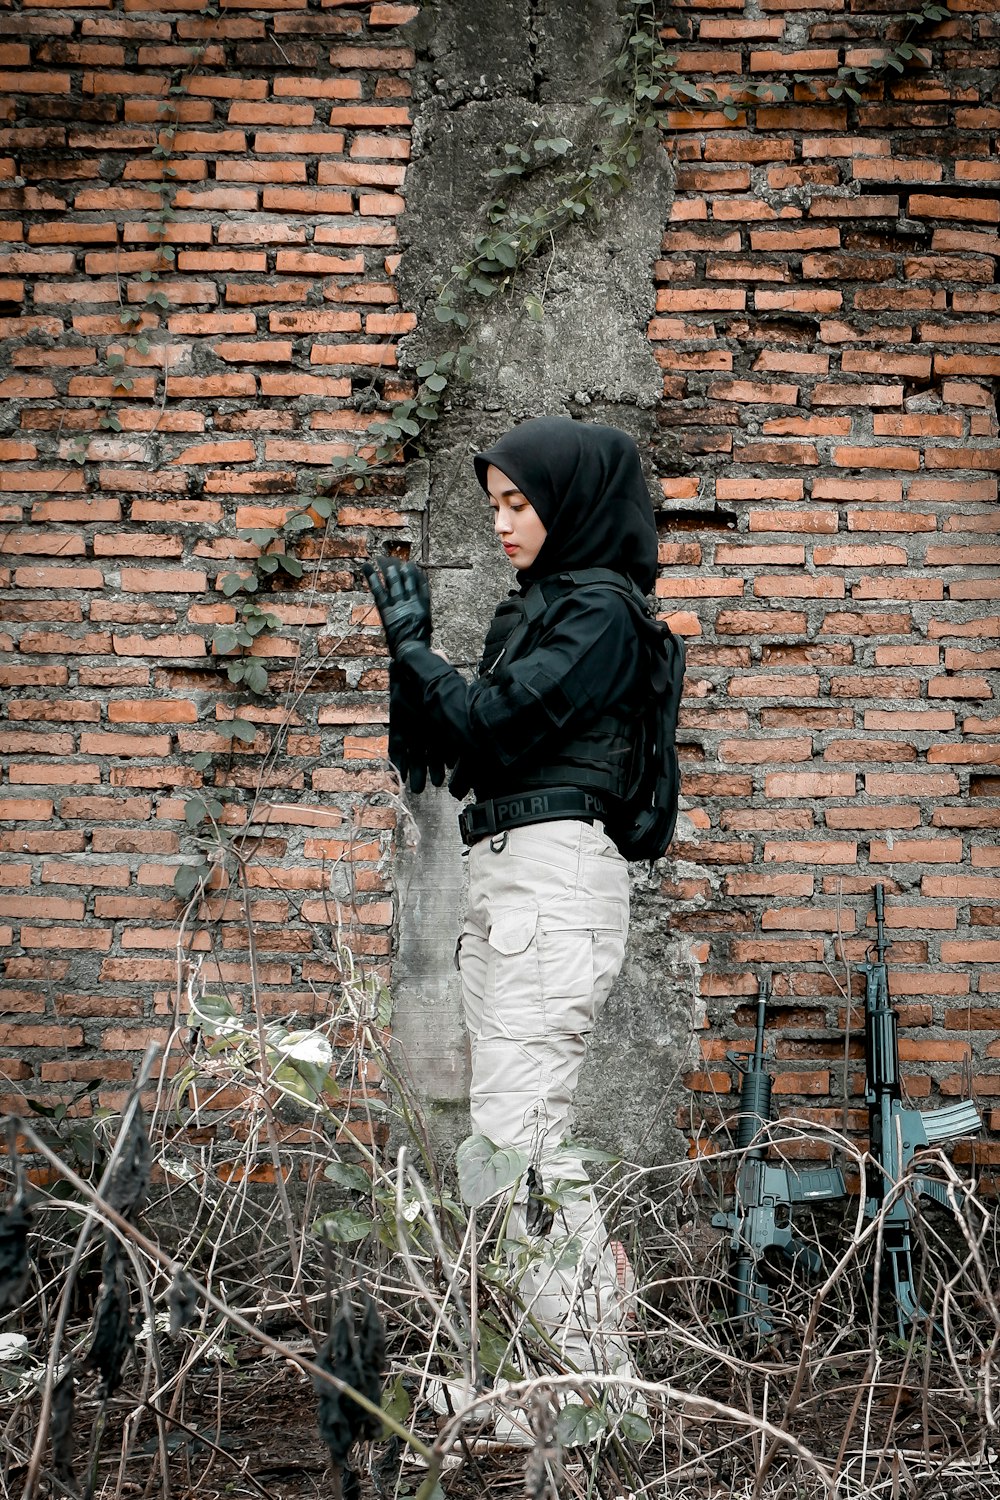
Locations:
(587, 486)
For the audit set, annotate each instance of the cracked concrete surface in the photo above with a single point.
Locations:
(487, 76)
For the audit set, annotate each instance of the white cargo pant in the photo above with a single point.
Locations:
(543, 942)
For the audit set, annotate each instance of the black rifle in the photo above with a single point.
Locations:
(764, 1193)
(895, 1133)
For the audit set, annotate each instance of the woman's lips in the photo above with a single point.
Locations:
(509, 547)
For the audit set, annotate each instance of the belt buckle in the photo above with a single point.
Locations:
(472, 831)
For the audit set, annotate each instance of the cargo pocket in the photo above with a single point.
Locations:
(580, 951)
(512, 1003)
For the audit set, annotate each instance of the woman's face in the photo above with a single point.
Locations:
(515, 520)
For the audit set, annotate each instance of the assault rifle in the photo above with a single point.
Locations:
(896, 1133)
(764, 1193)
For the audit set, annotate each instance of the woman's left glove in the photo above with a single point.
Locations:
(402, 599)
(413, 748)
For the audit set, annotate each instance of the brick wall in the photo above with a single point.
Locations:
(826, 325)
(292, 135)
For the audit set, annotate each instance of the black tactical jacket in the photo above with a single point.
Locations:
(554, 703)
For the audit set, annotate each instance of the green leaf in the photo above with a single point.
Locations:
(299, 522)
(194, 812)
(187, 879)
(290, 565)
(256, 678)
(215, 1015)
(346, 1175)
(492, 1348)
(242, 729)
(231, 583)
(307, 1046)
(300, 1080)
(577, 1425)
(635, 1428)
(534, 308)
(323, 506)
(343, 1227)
(261, 536)
(396, 1403)
(485, 1170)
(564, 1255)
(383, 1005)
(436, 383)
(202, 760)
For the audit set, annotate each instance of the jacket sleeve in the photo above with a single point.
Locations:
(584, 662)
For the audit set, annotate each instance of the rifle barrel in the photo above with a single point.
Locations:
(880, 942)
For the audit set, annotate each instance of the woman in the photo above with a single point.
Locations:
(545, 736)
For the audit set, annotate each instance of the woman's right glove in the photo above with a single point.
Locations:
(402, 599)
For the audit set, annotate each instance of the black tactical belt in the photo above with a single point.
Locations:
(481, 819)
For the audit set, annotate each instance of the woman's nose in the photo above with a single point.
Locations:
(501, 523)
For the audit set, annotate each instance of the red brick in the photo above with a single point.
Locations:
(782, 785)
(810, 521)
(941, 206)
(920, 784)
(164, 581)
(12, 1035)
(92, 939)
(387, 14)
(787, 586)
(857, 395)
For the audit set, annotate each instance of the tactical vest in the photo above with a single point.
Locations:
(597, 758)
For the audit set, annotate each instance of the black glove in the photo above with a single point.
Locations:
(410, 737)
(402, 599)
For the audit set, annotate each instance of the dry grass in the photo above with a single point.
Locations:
(227, 1281)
